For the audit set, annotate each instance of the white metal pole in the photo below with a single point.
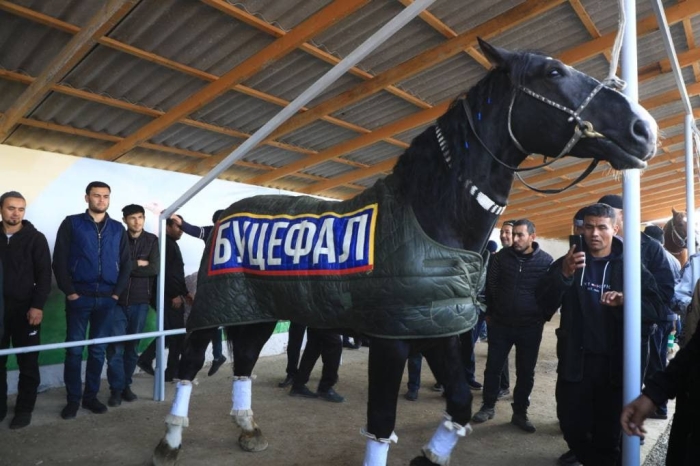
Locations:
(632, 240)
(159, 379)
(689, 185)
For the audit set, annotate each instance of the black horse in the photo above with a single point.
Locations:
(455, 177)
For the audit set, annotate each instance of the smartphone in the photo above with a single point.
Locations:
(576, 240)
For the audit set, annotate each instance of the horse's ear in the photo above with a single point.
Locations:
(674, 211)
(498, 57)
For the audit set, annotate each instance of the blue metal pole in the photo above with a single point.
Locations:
(632, 240)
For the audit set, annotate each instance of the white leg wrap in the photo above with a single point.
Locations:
(376, 453)
(439, 449)
(241, 411)
(241, 394)
(181, 404)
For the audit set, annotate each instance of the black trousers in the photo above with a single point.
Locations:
(173, 318)
(19, 333)
(329, 346)
(296, 338)
(527, 347)
(589, 413)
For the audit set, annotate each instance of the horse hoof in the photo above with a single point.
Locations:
(165, 455)
(422, 461)
(253, 441)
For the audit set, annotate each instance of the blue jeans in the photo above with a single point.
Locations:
(414, 368)
(122, 356)
(216, 347)
(79, 313)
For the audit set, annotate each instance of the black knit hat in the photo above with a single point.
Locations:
(132, 209)
(613, 200)
(655, 232)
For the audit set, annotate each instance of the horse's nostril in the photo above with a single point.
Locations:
(641, 129)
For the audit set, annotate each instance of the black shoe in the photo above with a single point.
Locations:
(568, 459)
(411, 395)
(474, 385)
(115, 399)
(331, 395)
(521, 420)
(302, 391)
(438, 388)
(70, 411)
(215, 364)
(146, 367)
(483, 415)
(289, 380)
(95, 406)
(20, 420)
(503, 393)
(3, 411)
(128, 395)
(347, 344)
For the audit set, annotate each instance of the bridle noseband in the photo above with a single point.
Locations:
(675, 236)
(583, 129)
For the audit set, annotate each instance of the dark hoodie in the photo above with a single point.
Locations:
(27, 267)
(588, 327)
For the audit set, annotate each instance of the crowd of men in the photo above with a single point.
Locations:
(107, 274)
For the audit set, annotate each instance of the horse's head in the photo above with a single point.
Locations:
(676, 230)
(555, 109)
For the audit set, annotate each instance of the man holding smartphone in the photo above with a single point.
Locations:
(588, 285)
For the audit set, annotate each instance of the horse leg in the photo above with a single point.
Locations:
(192, 360)
(445, 360)
(246, 343)
(387, 359)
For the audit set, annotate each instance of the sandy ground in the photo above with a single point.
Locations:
(300, 431)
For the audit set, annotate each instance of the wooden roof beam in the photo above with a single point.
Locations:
(311, 27)
(109, 14)
(447, 31)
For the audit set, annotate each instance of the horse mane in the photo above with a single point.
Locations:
(422, 169)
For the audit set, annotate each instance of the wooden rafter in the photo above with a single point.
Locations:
(447, 31)
(109, 14)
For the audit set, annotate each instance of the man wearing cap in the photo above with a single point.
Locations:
(658, 343)
(25, 255)
(654, 259)
(132, 306)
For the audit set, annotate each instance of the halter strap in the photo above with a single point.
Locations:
(481, 198)
(675, 235)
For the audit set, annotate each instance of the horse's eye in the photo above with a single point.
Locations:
(554, 73)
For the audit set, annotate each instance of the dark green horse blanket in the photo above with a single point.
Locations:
(362, 264)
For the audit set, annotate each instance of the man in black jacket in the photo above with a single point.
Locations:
(176, 295)
(588, 286)
(132, 306)
(27, 265)
(514, 319)
(654, 259)
(680, 380)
